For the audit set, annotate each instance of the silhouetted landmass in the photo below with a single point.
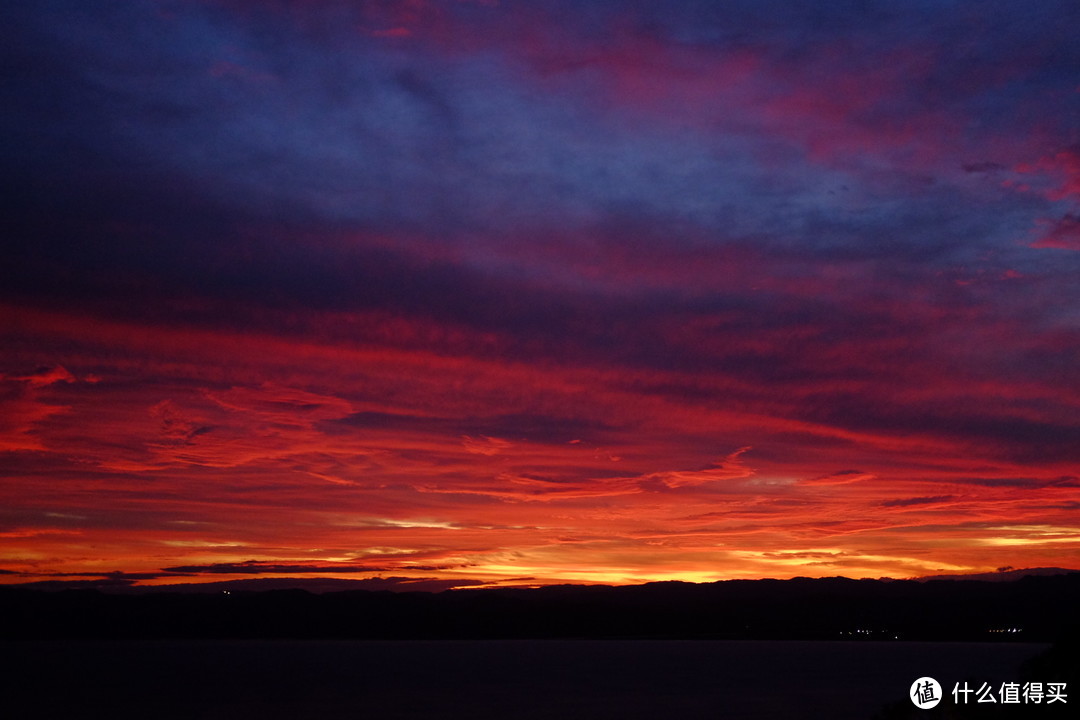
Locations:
(1005, 574)
(1034, 608)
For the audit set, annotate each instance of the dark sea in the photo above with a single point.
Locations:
(266, 680)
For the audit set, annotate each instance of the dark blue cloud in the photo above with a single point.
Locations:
(596, 184)
(278, 117)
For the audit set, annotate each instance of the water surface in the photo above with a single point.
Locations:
(530, 679)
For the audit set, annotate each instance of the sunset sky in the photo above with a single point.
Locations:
(528, 292)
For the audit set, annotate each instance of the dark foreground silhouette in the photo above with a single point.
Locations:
(738, 650)
(1032, 609)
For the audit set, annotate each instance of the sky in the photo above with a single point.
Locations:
(508, 293)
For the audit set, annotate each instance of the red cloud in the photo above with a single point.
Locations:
(1060, 173)
(844, 477)
(1063, 234)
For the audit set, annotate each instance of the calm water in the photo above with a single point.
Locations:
(486, 679)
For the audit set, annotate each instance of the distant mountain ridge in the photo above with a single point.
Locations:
(1002, 575)
(435, 585)
(1034, 608)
